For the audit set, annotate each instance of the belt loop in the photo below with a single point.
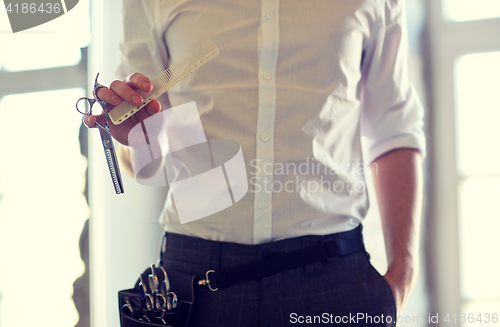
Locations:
(215, 255)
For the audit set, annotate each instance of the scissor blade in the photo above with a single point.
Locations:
(111, 160)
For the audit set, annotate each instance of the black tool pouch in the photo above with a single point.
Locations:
(140, 309)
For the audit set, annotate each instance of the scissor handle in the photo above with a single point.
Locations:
(89, 103)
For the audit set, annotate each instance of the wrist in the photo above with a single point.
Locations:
(404, 270)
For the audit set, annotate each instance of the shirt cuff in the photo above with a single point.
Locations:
(411, 141)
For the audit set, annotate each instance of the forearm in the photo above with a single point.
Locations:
(397, 177)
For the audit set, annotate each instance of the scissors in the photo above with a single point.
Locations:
(107, 141)
(171, 297)
(145, 296)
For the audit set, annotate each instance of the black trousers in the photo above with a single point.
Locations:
(345, 291)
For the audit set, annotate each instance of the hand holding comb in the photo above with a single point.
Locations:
(166, 79)
(161, 83)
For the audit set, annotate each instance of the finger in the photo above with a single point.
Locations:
(125, 92)
(139, 81)
(89, 121)
(108, 96)
(151, 109)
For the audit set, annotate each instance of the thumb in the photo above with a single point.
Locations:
(89, 121)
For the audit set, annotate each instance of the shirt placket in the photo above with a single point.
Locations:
(269, 46)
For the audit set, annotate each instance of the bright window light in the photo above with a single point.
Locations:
(478, 114)
(464, 10)
(42, 208)
(479, 241)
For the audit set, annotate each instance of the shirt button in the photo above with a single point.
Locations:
(263, 205)
(270, 15)
(267, 76)
(264, 137)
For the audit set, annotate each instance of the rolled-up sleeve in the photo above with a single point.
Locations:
(392, 113)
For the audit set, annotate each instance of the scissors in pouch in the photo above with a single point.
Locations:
(107, 141)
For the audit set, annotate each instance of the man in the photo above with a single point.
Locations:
(295, 83)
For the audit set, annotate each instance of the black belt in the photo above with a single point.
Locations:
(328, 249)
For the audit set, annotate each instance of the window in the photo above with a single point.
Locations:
(464, 10)
(464, 217)
(478, 167)
(42, 172)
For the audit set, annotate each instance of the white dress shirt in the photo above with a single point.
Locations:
(297, 84)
